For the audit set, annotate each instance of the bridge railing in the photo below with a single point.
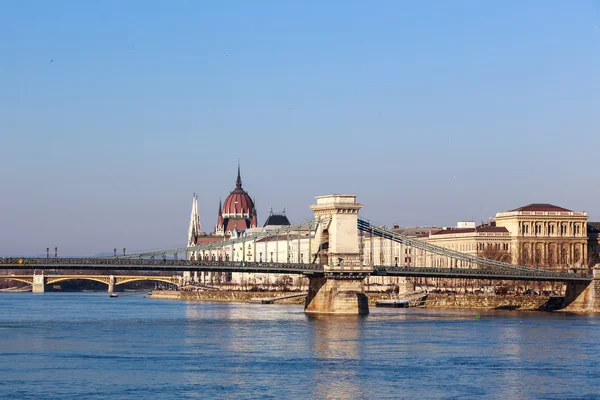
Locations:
(484, 273)
(29, 263)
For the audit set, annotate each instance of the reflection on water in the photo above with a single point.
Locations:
(335, 344)
(89, 346)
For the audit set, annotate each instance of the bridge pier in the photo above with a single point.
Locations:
(336, 294)
(39, 283)
(111, 284)
(340, 290)
(581, 297)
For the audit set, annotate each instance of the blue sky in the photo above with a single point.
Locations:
(112, 114)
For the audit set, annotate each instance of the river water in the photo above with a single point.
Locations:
(89, 346)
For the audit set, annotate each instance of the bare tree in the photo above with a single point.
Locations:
(494, 254)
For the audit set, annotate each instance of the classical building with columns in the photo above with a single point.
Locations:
(546, 236)
(539, 235)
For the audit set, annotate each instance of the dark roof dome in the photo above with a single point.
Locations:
(277, 219)
(238, 201)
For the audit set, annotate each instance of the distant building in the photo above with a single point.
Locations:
(593, 232)
(380, 251)
(237, 213)
(546, 236)
(236, 218)
(276, 220)
(539, 235)
(484, 241)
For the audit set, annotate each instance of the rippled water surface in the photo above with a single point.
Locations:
(89, 346)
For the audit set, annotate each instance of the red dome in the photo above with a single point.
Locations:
(238, 201)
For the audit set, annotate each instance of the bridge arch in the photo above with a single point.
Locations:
(166, 279)
(24, 279)
(105, 280)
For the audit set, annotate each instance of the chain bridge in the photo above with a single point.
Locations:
(335, 262)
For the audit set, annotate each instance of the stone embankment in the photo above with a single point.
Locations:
(432, 301)
(473, 301)
(233, 296)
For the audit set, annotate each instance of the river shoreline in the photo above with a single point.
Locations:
(469, 301)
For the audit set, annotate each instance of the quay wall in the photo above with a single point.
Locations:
(232, 296)
(432, 301)
(472, 301)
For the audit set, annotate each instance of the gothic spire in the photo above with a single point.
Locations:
(195, 228)
(238, 182)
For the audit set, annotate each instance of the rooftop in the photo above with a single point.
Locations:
(540, 207)
(277, 220)
(489, 229)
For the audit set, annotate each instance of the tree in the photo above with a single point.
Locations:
(495, 254)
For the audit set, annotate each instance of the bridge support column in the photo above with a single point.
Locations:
(580, 297)
(336, 294)
(111, 284)
(39, 284)
(340, 290)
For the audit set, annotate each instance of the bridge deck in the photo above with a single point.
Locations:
(104, 264)
(177, 266)
(471, 273)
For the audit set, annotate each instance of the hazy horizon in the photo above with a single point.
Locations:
(113, 114)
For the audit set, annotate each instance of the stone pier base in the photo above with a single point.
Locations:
(328, 295)
(39, 284)
(583, 298)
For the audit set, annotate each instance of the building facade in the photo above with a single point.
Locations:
(547, 236)
(483, 241)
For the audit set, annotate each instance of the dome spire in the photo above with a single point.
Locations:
(238, 182)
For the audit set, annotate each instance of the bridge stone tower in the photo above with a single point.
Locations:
(39, 283)
(340, 290)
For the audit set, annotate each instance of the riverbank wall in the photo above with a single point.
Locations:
(432, 301)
